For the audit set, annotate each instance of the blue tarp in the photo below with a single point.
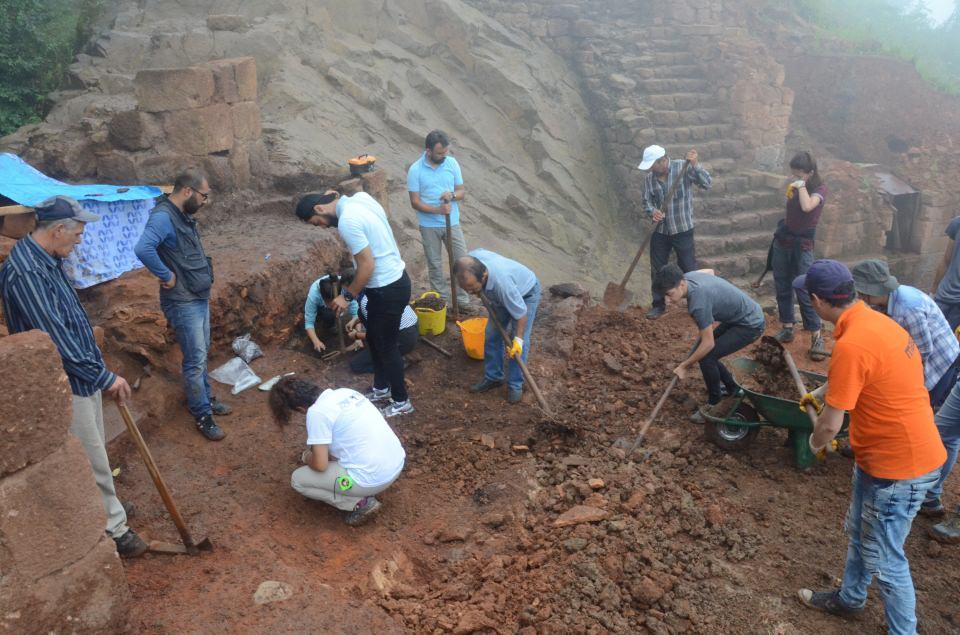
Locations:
(27, 186)
(106, 251)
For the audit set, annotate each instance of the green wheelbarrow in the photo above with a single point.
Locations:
(751, 411)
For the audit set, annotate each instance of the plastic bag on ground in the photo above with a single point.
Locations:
(236, 373)
(246, 349)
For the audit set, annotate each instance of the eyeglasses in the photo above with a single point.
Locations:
(204, 195)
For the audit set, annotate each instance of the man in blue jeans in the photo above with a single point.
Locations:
(948, 423)
(170, 248)
(877, 375)
(514, 295)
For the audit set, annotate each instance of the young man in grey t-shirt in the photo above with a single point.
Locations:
(713, 300)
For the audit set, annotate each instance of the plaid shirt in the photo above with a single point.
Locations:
(916, 312)
(679, 216)
(36, 295)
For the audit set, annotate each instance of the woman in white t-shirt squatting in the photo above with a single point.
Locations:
(352, 454)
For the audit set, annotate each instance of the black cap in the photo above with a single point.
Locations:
(63, 208)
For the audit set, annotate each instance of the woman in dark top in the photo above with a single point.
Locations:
(792, 249)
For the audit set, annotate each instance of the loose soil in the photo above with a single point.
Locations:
(569, 536)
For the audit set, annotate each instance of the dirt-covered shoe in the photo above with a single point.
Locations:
(785, 336)
(209, 428)
(486, 384)
(828, 602)
(130, 545)
(377, 394)
(514, 395)
(947, 532)
(397, 408)
(818, 351)
(366, 509)
(932, 509)
(697, 417)
(655, 312)
(219, 408)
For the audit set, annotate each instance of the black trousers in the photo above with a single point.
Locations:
(362, 362)
(385, 306)
(660, 247)
(727, 339)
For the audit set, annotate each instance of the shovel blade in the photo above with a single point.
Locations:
(169, 548)
(615, 297)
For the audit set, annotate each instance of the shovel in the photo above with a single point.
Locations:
(189, 546)
(663, 400)
(794, 373)
(615, 296)
(519, 360)
(453, 283)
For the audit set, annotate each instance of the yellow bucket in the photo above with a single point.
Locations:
(473, 331)
(430, 321)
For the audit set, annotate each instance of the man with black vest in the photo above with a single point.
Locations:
(170, 248)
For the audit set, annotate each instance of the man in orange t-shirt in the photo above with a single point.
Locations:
(876, 374)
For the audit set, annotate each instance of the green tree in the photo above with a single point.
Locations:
(38, 39)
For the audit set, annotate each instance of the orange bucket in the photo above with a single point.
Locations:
(473, 331)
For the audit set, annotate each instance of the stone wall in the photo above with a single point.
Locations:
(59, 572)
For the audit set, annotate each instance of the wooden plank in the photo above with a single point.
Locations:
(8, 210)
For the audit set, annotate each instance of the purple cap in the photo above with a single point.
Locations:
(822, 279)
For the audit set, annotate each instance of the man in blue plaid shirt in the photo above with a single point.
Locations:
(674, 231)
(920, 316)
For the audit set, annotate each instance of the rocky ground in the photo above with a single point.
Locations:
(505, 521)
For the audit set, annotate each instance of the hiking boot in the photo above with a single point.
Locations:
(129, 510)
(828, 602)
(486, 384)
(655, 312)
(130, 545)
(785, 336)
(947, 532)
(721, 409)
(818, 352)
(366, 509)
(932, 509)
(397, 408)
(209, 428)
(514, 395)
(377, 394)
(698, 418)
(219, 408)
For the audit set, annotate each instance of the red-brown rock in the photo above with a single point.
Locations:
(580, 514)
(165, 89)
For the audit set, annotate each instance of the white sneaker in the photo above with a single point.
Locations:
(377, 394)
(397, 408)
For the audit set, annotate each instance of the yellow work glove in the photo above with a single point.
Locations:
(812, 400)
(515, 349)
(821, 453)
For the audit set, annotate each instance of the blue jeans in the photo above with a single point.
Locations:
(494, 348)
(948, 423)
(878, 522)
(191, 324)
(788, 263)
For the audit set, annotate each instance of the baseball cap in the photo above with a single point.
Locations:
(872, 277)
(63, 208)
(822, 279)
(651, 154)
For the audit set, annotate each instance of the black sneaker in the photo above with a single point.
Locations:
(486, 384)
(209, 428)
(364, 511)
(130, 545)
(655, 312)
(932, 509)
(828, 602)
(219, 408)
(129, 509)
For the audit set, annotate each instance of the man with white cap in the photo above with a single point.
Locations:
(37, 295)
(674, 230)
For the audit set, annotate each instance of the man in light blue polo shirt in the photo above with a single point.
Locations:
(514, 294)
(435, 185)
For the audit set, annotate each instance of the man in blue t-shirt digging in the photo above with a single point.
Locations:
(435, 185)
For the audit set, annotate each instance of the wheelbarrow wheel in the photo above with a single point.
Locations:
(733, 437)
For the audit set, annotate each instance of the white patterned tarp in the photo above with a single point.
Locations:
(106, 250)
